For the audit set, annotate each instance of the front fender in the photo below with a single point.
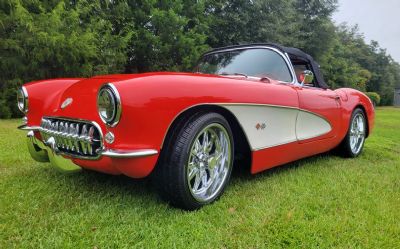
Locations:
(43, 95)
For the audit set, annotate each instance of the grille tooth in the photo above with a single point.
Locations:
(60, 136)
(67, 134)
(91, 136)
(55, 132)
(75, 138)
(46, 126)
(83, 138)
(71, 131)
(71, 137)
(77, 143)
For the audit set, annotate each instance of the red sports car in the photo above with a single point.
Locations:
(258, 105)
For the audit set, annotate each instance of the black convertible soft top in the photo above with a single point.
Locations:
(296, 56)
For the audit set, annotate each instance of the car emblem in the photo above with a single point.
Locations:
(260, 126)
(66, 103)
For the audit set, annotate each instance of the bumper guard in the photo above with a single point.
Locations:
(47, 151)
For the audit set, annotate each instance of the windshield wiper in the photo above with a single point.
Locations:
(238, 74)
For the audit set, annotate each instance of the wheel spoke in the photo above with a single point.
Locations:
(196, 148)
(197, 181)
(205, 140)
(192, 171)
(214, 182)
(210, 144)
(361, 125)
(204, 180)
(223, 142)
(212, 175)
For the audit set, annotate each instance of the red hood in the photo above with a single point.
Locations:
(84, 94)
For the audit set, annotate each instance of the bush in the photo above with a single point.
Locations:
(375, 98)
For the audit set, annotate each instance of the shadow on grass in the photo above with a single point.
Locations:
(139, 188)
(92, 189)
(243, 173)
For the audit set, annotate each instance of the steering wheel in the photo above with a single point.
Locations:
(265, 77)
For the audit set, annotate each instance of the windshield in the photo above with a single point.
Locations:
(257, 62)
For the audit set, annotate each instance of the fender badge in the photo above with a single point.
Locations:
(261, 126)
(66, 103)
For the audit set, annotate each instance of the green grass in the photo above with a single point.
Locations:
(320, 202)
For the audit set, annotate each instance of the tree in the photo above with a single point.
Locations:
(50, 39)
(170, 35)
(353, 63)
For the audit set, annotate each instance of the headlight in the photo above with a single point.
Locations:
(109, 104)
(22, 100)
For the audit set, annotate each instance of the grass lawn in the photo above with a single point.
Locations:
(320, 202)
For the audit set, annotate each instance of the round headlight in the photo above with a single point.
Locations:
(106, 105)
(22, 100)
(109, 104)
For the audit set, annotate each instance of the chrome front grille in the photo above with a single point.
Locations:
(73, 137)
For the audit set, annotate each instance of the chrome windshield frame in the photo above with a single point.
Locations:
(283, 55)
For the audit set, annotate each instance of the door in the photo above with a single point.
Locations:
(319, 116)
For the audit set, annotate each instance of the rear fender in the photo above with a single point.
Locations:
(350, 100)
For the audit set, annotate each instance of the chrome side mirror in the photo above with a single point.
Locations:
(307, 77)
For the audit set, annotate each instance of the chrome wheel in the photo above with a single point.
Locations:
(357, 133)
(209, 162)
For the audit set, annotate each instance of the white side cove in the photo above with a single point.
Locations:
(268, 126)
(309, 125)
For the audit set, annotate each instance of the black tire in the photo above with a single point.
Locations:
(171, 174)
(345, 147)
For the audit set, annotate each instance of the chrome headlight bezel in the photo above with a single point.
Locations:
(115, 105)
(22, 100)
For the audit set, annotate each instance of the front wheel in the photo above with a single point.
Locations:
(198, 162)
(353, 143)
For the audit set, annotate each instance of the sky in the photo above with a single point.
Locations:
(378, 20)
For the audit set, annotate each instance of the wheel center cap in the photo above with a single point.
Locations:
(203, 164)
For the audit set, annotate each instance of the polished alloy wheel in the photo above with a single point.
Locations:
(209, 162)
(357, 133)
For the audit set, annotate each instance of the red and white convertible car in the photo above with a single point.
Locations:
(259, 105)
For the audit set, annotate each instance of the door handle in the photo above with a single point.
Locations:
(335, 97)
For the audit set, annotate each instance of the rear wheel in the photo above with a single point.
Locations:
(197, 163)
(353, 143)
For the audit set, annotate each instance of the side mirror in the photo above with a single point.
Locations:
(306, 77)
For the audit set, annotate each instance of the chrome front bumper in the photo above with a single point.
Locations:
(42, 152)
(47, 151)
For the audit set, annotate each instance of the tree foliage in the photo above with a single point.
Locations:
(81, 38)
(375, 98)
(50, 39)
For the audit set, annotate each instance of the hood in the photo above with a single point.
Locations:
(82, 94)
